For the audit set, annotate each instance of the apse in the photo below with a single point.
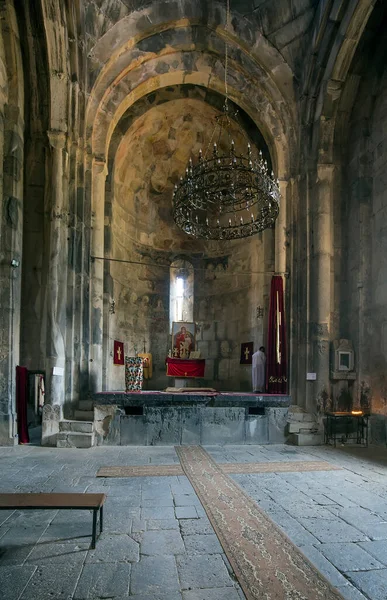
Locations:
(151, 151)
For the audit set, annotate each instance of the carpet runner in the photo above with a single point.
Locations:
(266, 563)
(241, 468)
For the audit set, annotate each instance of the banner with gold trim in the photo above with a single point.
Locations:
(276, 364)
(118, 355)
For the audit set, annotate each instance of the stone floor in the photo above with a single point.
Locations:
(157, 542)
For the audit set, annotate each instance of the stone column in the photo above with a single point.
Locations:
(281, 232)
(8, 360)
(56, 295)
(321, 286)
(99, 172)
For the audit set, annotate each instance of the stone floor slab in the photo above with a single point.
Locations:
(114, 548)
(13, 580)
(154, 575)
(202, 571)
(186, 512)
(377, 548)
(372, 583)
(350, 557)
(48, 583)
(202, 544)
(333, 531)
(157, 524)
(103, 581)
(195, 526)
(156, 543)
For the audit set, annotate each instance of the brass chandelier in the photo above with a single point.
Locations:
(226, 196)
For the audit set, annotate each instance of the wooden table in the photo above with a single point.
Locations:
(66, 501)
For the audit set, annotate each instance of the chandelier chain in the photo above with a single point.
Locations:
(228, 195)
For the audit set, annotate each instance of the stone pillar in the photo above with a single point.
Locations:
(9, 277)
(56, 295)
(281, 232)
(99, 172)
(321, 279)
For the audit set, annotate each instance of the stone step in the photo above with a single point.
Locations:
(84, 415)
(306, 439)
(76, 426)
(73, 439)
(85, 405)
(303, 417)
(301, 427)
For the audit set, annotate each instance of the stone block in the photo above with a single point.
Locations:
(84, 415)
(301, 427)
(306, 439)
(73, 439)
(220, 328)
(77, 426)
(277, 420)
(223, 425)
(209, 370)
(107, 421)
(51, 417)
(232, 330)
(257, 429)
(213, 349)
(190, 425)
(300, 417)
(85, 405)
(208, 331)
(204, 348)
(163, 425)
(133, 430)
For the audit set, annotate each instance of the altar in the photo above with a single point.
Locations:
(185, 368)
(151, 418)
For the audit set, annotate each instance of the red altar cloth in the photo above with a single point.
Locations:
(181, 367)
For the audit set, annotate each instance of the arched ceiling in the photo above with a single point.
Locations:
(285, 27)
(151, 156)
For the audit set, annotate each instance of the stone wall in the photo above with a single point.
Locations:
(364, 309)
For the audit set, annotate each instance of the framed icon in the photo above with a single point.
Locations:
(183, 339)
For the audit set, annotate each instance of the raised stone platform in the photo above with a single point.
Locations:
(164, 418)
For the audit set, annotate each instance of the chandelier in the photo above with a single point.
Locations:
(227, 195)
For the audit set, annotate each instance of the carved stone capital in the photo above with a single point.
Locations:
(57, 139)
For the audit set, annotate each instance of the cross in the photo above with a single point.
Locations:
(247, 352)
(119, 352)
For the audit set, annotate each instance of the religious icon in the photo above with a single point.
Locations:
(183, 339)
(247, 350)
(118, 356)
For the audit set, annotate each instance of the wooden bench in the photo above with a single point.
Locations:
(68, 501)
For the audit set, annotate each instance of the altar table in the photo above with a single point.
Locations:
(182, 367)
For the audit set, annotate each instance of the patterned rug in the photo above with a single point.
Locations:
(268, 566)
(241, 468)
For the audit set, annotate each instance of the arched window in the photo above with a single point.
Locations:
(181, 291)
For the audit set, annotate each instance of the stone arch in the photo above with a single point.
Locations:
(188, 52)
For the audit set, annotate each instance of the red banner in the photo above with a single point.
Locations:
(178, 367)
(118, 358)
(276, 365)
